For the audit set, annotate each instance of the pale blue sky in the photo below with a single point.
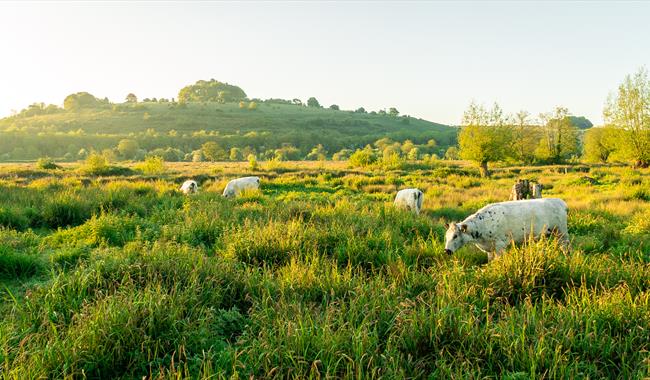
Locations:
(428, 59)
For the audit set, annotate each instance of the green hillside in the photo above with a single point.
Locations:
(183, 127)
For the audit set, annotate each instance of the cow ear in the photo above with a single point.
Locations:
(446, 225)
(463, 228)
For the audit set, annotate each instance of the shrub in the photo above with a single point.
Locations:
(46, 163)
(362, 158)
(153, 165)
(252, 162)
(95, 164)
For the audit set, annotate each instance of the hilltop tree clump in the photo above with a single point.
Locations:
(79, 101)
(313, 102)
(211, 91)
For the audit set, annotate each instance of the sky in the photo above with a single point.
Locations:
(427, 59)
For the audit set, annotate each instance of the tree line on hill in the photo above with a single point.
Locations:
(26, 136)
(212, 91)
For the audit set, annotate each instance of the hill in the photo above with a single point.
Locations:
(183, 127)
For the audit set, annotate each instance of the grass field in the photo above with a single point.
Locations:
(317, 276)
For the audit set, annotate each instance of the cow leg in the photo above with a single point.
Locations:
(499, 248)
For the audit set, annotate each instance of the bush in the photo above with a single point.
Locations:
(363, 158)
(153, 165)
(46, 163)
(95, 164)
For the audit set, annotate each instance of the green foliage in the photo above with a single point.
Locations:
(342, 155)
(131, 98)
(334, 107)
(599, 144)
(95, 164)
(484, 136)
(628, 110)
(252, 162)
(318, 153)
(81, 100)
(128, 148)
(363, 157)
(559, 137)
(211, 91)
(312, 102)
(580, 122)
(152, 165)
(213, 151)
(452, 153)
(46, 163)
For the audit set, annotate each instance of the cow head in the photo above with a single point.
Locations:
(456, 237)
(194, 187)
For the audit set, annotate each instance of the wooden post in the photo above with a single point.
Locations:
(524, 189)
(536, 190)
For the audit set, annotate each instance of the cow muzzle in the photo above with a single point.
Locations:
(448, 251)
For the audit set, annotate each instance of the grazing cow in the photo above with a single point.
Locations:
(189, 187)
(494, 226)
(410, 199)
(236, 186)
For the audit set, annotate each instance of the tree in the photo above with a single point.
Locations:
(342, 155)
(80, 100)
(383, 142)
(452, 153)
(318, 153)
(131, 98)
(407, 146)
(334, 107)
(360, 110)
(484, 136)
(312, 102)
(525, 138)
(413, 154)
(235, 154)
(628, 111)
(213, 151)
(559, 137)
(363, 157)
(287, 152)
(211, 91)
(580, 122)
(392, 111)
(128, 148)
(599, 144)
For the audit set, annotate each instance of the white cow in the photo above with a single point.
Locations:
(494, 226)
(236, 186)
(410, 199)
(189, 187)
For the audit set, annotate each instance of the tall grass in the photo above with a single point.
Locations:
(317, 276)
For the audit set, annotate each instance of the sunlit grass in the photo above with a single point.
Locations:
(315, 275)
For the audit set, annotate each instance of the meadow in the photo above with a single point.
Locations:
(316, 276)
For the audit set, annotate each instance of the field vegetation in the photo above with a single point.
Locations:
(109, 272)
